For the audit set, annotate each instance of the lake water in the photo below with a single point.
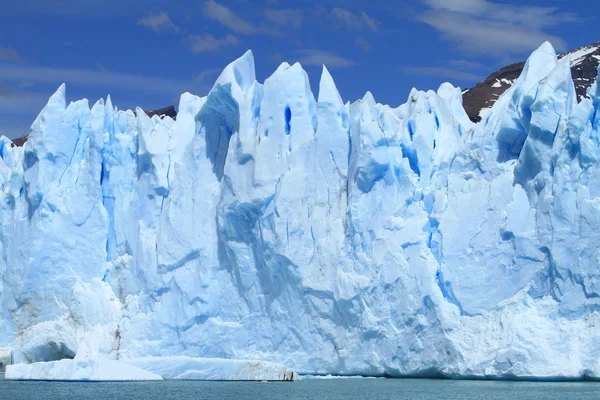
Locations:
(342, 389)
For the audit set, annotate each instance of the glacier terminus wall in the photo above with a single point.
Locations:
(334, 238)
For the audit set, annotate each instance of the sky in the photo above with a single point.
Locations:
(146, 53)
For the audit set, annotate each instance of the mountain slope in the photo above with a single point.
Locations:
(478, 100)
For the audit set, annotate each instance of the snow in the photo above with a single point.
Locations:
(329, 237)
(208, 369)
(484, 112)
(503, 81)
(577, 57)
(78, 370)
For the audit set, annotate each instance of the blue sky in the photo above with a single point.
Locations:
(148, 52)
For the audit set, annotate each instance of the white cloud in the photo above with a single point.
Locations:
(534, 16)
(356, 22)
(228, 18)
(209, 43)
(159, 23)
(8, 54)
(485, 27)
(313, 57)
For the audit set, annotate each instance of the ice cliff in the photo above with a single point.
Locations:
(332, 238)
(78, 371)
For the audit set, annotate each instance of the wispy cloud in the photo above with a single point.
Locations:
(355, 22)
(228, 18)
(277, 58)
(486, 27)
(288, 17)
(464, 64)
(22, 102)
(18, 110)
(207, 75)
(442, 72)
(5, 90)
(158, 23)
(76, 8)
(363, 45)
(14, 129)
(92, 78)
(536, 17)
(209, 43)
(26, 84)
(313, 57)
(8, 54)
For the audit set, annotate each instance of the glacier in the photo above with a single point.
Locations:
(209, 369)
(332, 238)
(79, 370)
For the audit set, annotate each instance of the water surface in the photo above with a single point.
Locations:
(326, 389)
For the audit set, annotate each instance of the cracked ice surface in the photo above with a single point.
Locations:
(332, 238)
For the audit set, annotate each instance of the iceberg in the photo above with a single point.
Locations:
(207, 369)
(79, 370)
(332, 238)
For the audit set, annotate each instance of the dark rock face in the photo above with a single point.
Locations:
(20, 141)
(485, 94)
(163, 112)
(167, 111)
(584, 65)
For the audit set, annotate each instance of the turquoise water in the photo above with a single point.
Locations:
(342, 389)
